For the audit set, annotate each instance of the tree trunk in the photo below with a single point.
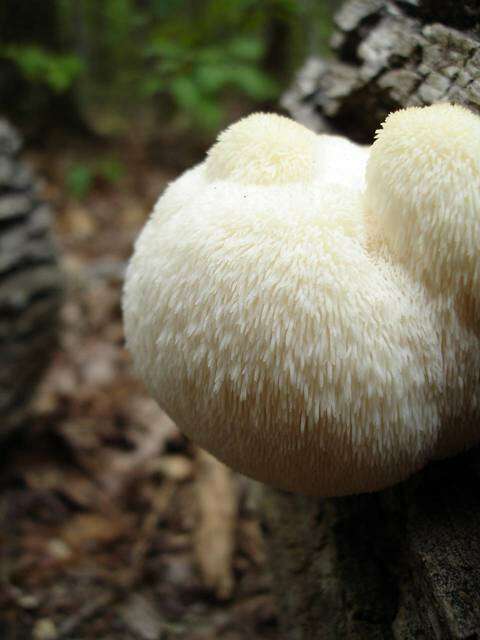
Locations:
(30, 284)
(402, 563)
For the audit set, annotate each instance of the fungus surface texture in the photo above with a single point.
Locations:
(308, 309)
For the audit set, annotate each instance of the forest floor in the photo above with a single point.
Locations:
(112, 525)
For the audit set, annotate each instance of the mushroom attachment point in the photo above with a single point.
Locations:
(307, 309)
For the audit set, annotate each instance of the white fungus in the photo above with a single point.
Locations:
(308, 309)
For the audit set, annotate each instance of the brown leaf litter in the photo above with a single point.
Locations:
(113, 526)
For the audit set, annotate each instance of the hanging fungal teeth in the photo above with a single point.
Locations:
(308, 309)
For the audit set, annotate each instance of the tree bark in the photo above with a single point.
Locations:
(402, 563)
(30, 284)
(389, 55)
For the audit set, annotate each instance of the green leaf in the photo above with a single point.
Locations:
(254, 82)
(79, 180)
(110, 169)
(212, 78)
(209, 114)
(185, 92)
(163, 47)
(201, 109)
(246, 48)
(152, 85)
(58, 71)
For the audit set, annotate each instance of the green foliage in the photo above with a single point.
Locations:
(184, 60)
(58, 71)
(197, 76)
(110, 169)
(79, 180)
(81, 176)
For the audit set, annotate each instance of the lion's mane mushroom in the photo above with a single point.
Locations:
(312, 330)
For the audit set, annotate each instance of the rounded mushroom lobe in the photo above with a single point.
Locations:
(269, 326)
(263, 149)
(423, 190)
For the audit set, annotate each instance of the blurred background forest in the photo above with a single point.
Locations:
(157, 69)
(112, 525)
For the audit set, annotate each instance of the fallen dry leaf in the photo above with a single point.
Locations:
(87, 530)
(142, 618)
(77, 222)
(215, 534)
(175, 467)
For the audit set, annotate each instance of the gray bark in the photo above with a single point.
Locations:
(388, 55)
(30, 284)
(402, 563)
